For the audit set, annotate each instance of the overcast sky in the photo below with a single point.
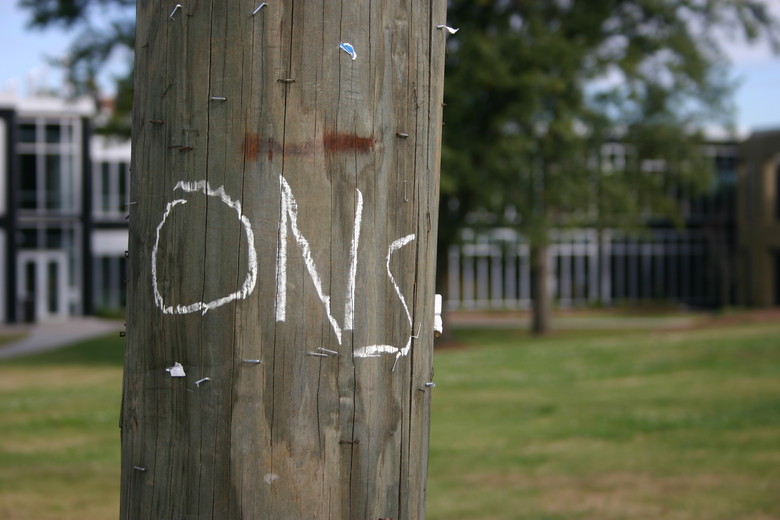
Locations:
(25, 53)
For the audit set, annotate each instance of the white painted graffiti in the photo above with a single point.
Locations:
(378, 350)
(290, 214)
(251, 276)
(288, 220)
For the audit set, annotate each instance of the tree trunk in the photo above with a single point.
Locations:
(282, 258)
(542, 301)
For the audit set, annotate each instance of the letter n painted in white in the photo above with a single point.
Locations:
(289, 215)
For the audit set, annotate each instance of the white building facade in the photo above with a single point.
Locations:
(63, 192)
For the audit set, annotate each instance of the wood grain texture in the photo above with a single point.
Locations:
(266, 112)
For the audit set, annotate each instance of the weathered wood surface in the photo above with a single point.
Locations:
(304, 143)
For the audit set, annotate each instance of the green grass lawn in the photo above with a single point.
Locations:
(581, 425)
(608, 425)
(59, 435)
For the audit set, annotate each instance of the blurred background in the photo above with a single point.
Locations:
(609, 259)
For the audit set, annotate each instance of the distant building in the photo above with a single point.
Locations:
(63, 192)
(692, 265)
(63, 231)
(758, 220)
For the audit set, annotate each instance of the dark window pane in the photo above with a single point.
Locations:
(27, 133)
(30, 279)
(28, 238)
(54, 285)
(53, 182)
(53, 133)
(105, 187)
(28, 185)
(54, 239)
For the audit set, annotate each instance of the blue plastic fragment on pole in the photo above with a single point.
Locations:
(349, 49)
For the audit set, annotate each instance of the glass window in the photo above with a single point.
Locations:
(27, 133)
(54, 195)
(54, 286)
(68, 183)
(109, 279)
(47, 179)
(28, 181)
(30, 278)
(112, 183)
(53, 133)
(70, 243)
(28, 238)
(105, 187)
(54, 238)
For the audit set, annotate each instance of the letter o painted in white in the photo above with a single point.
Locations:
(251, 276)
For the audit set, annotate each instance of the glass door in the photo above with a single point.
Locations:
(42, 285)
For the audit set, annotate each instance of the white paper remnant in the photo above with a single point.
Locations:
(438, 326)
(349, 49)
(176, 370)
(448, 28)
(270, 477)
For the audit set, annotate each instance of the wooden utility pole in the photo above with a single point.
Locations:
(282, 253)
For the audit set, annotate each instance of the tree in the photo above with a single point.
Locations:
(534, 89)
(104, 27)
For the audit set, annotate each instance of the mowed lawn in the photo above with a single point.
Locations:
(581, 425)
(608, 425)
(59, 433)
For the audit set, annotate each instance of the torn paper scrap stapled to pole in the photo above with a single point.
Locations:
(438, 326)
(176, 370)
(449, 29)
(349, 49)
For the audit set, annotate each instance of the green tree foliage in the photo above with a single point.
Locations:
(534, 90)
(101, 27)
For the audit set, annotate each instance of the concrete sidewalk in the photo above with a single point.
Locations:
(42, 337)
